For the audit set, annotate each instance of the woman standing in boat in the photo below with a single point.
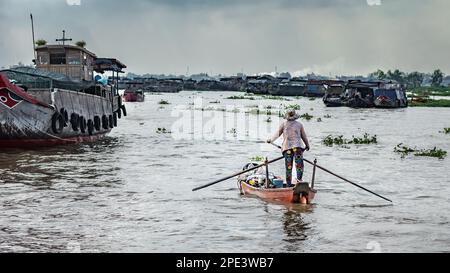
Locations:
(294, 137)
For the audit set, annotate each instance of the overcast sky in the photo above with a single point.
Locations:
(230, 36)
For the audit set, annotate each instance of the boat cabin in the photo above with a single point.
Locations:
(73, 61)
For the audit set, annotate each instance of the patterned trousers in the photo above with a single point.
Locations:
(295, 154)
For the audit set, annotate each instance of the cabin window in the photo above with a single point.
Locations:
(43, 58)
(57, 58)
(73, 58)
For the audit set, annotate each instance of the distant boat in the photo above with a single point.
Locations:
(58, 102)
(359, 94)
(390, 98)
(290, 88)
(334, 95)
(134, 96)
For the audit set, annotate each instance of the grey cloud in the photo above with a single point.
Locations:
(159, 36)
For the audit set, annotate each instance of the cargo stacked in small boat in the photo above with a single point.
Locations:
(59, 102)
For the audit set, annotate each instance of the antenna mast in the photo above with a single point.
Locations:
(32, 32)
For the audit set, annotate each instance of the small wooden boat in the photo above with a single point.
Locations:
(283, 195)
(134, 96)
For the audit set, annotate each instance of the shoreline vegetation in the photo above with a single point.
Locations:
(431, 91)
(426, 102)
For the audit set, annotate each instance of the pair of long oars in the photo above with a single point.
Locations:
(338, 176)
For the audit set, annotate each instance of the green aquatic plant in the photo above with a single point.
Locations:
(215, 102)
(269, 119)
(257, 159)
(292, 107)
(319, 120)
(163, 131)
(306, 116)
(327, 116)
(232, 131)
(435, 152)
(330, 140)
(240, 98)
(272, 97)
(340, 140)
(163, 102)
(366, 139)
(405, 151)
(446, 131)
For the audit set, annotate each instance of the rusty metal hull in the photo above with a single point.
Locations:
(27, 124)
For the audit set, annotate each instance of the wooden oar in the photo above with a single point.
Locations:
(239, 173)
(338, 176)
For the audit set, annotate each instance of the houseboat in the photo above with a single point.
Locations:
(58, 101)
(292, 87)
(334, 94)
(315, 88)
(359, 94)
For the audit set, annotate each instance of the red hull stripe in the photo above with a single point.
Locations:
(4, 83)
(34, 143)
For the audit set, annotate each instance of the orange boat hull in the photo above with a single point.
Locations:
(283, 195)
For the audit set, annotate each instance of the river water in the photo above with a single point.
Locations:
(132, 191)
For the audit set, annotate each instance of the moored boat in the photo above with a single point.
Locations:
(59, 102)
(390, 98)
(134, 96)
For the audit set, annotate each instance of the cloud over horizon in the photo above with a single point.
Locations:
(218, 36)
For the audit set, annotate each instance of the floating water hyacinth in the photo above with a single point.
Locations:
(405, 151)
(306, 116)
(163, 131)
(292, 107)
(163, 102)
(257, 159)
(240, 98)
(340, 140)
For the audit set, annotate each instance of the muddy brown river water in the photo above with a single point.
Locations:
(132, 191)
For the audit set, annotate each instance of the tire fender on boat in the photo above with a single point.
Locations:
(75, 121)
(57, 123)
(115, 119)
(83, 124)
(105, 122)
(111, 121)
(124, 110)
(97, 123)
(65, 116)
(90, 127)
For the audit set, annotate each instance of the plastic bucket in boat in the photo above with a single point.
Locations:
(278, 183)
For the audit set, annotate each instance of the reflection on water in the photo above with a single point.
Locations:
(294, 227)
(133, 192)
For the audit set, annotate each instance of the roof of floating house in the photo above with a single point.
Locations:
(63, 47)
(37, 78)
(108, 64)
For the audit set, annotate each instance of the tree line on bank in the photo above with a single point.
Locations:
(411, 80)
